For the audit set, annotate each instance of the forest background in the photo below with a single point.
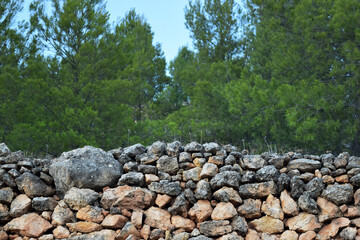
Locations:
(269, 75)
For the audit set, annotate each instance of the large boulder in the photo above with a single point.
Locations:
(86, 167)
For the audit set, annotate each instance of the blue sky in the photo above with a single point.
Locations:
(166, 18)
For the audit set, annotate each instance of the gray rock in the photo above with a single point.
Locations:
(33, 186)
(307, 204)
(86, 167)
(354, 162)
(278, 161)
(147, 169)
(195, 232)
(348, 233)
(190, 196)
(4, 150)
(167, 164)
(230, 160)
(123, 158)
(257, 190)
(131, 166)
(339, 193)
(132, 179)
(46, 178)
(174, 149)
(180, 206)
(15, 157)
(116, 152)
(215, 228)
(157, 149)
(239, 225)
(283, 182)
(211, 147)
(230, 148)
(355, 180)
(6, 195)
(134, 150)
(353, 172)
(325, 171)
(293, 173)
(8, 180)
(253, 162)
(229, 178)
(192, 174)
(181, 236)
(209, 170)
(185, 157)
(190, 185)
(247, 177)
(193, 147)
(165, 187)
(164, 176)
(14, 173)
(227, 194)
(315, 187)
(304, 165)
(297, 187)
(338, 172)
(203, 190)
(78, 198)
(267, 173)
(9, 166)
(329, 165)
(41, 204)
(327, 158)
(226, 168)
(342, 160)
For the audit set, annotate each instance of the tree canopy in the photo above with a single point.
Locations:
(263, 75)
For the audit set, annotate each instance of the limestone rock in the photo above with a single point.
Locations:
(268, 225)
(84, 227)
(209, 170)
(223, 211)
(192, 174)
(289, 235)
(332, 229)
(215, 228)
(250, 208)
(4, 213)
(78, 198)
(132, 179)
(131, 198)
(134, 150)
(162, 200)
(33, 186)
(239, 225)
(304, 165)
(90, 214)
(303, 222)
(267, 173)
(174, 149)
(165, 187)
(167, 164)
(62, 214)
(315, 187)
(310, 235)
(201, 211)
(289, 206)
(114, 221)
(86, 167)
(348, 233)
(253, 162)
(227, 194)
(20, 205)
(227, 178)
(180, 206)
(6, 195)
(157, 148)
(271, 207)
(297, 187)
(184, 223)
(4, 150)
(307, 204)
(61, 232)
(257, 190)
(41, 204)
(328, 210)
(203, 190)
(158, 218)
(128, 230)
(30, 225)
(193, 147)
(339, 193)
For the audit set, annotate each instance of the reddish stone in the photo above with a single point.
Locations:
(162, 200)
(201, 211)
(184, 223)
(223, 211)
(158, 218)
(114, 221)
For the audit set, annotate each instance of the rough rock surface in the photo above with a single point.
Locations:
(86, 167)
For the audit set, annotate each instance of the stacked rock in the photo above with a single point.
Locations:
(171, 191)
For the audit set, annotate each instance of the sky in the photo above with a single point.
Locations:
(166, 18)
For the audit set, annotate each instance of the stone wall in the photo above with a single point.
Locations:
(175, 191)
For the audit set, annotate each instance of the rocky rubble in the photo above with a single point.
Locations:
(174, 191)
